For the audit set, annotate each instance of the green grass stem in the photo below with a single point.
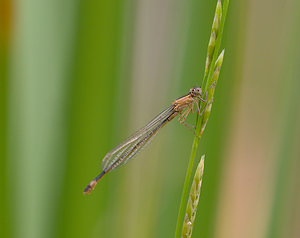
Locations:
(209, 78)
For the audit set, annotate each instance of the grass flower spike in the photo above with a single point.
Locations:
(192, 205)
(213, 37)
(211, 92)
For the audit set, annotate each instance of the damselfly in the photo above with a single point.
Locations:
(125, 151)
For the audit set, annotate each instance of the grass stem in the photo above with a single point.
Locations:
(210, 78)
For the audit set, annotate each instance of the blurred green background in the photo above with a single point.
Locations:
(78, 77)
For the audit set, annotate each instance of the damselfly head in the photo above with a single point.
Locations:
(196, 92)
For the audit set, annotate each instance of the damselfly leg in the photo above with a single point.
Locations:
(184, 115)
